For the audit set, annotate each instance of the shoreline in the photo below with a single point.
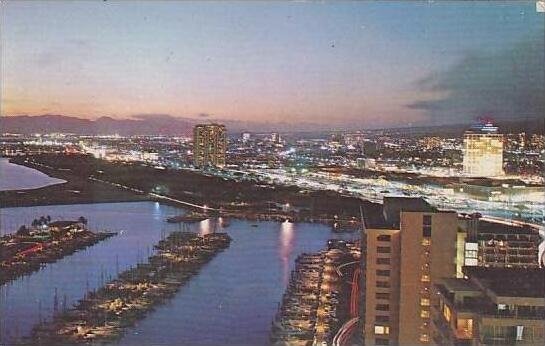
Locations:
(86, 189)
(75, 190)
(313, 205)
(21, 170)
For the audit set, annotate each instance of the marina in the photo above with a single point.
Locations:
(315, 303)
(219, 305)
(103, 314)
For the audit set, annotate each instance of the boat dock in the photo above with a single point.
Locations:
(313, 306)
(103, 315)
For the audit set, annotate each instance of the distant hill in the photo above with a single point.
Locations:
(529, 126)
(140, 125)
(103, 126)
(178, 126)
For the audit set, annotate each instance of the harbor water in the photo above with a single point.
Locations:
(231, 301)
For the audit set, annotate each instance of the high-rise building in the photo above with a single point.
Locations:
(409, 246)
(493, 306)
(275, 137)
(483, 151)
(209, 145)
(245, 136)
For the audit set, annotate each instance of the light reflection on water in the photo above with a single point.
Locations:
(286, 248)
(206, 226)
(230, 302)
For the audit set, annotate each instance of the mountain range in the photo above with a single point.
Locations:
(159, 124)
(167, 125)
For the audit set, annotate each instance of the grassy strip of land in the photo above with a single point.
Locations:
(77, 189)
(245, 197)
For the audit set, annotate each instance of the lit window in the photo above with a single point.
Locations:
(446, 313)
(424, 338)
(465, 326)
(520, 331)
(382, 330)
(424, 302)
(425, 278)
(424, 314)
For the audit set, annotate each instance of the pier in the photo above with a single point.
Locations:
(103, 315)
(314, 306)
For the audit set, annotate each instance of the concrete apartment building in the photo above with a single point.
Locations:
(209, 145)
(494, 306)
(409, 246)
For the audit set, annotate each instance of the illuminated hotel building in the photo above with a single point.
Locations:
(409, 246)
(483, 151)
(209, 145)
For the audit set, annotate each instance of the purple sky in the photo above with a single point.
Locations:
(368, 64)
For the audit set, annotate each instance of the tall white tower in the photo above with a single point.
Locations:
(483, 151)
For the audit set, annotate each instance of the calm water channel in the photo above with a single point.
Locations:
(230, 302)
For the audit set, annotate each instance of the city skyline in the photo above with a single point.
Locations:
(367, 64)
(272, 173)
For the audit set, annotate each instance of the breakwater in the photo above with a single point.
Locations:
(104, 314)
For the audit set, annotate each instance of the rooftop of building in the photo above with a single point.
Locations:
(501, 228)
(387, 215)
(485, 127)
(458, 285)
(510, 282)
(209, 125)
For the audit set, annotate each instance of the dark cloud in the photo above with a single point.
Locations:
(204, 115)
(509, 84)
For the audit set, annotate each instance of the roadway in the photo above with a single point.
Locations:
(346, 332)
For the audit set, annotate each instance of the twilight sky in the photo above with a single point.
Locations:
(368, 64)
